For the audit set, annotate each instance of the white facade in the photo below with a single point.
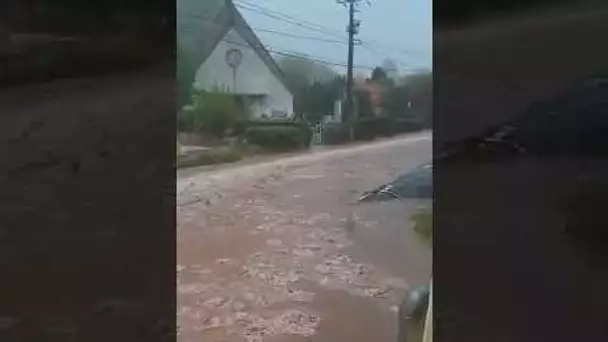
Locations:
(263, 93)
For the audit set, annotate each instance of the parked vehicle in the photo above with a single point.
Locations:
(415, 311)
(415, 184)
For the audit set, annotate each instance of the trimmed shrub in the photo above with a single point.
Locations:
(278, 135)
(213, 114)
(406, 125)
(274, 123)
(239, 128)
(305, 134)
(370, 128)
(364, 129)
(384, 127)
(273, 137)
(336, 133)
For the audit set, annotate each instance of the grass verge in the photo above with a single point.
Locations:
(209, 157)
(423, 224)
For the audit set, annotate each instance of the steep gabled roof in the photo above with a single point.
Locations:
(202, 24)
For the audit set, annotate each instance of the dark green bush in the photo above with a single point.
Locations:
(212, 113)
(305, 134)
(274, 123)
(273, 137)
(364, 129)
(406, 125)
(370, 128)
(278, 136)
(336, 133)
(384, 127)
(240, 127)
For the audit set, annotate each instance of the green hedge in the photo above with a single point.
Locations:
(274, 123)
(336, 133)
(406, 125)
(278, 135)
(241, 127)
(368, 129)
(364, 129)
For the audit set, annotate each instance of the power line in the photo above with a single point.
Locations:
(302, 56)
(324, 40)
(290, 19)
(307, 57)
(367, 43)
(318, 39)
(282, 18)
(402, 64)
(326, 29)
(404, 52)
(315, 59)
(286, 34)
(277, 15)
(299, 56)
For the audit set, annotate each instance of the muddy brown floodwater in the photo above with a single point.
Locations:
(279, 252)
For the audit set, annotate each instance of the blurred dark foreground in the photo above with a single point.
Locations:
(42, 41)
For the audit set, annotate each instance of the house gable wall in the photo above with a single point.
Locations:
(252, 77)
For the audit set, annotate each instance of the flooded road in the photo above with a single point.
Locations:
(278, 251)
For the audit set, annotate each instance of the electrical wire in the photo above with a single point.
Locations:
(369, 44)
(290, 19)
(300, 56)
(285, 19)
(293, 35)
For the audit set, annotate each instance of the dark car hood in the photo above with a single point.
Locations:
(417, 183)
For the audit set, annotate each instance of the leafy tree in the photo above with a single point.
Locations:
(395, 101)
(315, 87)
(319, 98)
(412, 97)
(379, 75)
(301, 71)
(419, 89)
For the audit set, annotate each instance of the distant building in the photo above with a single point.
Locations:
(231, 58)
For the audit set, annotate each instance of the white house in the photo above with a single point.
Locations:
(230, 57)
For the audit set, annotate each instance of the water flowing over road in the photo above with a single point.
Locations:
(279, 251)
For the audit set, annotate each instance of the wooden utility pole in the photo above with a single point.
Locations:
(349, 106)
(352, 29)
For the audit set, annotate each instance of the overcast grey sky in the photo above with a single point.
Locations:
(396, 29)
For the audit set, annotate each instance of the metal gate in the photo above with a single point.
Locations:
(317, 134)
